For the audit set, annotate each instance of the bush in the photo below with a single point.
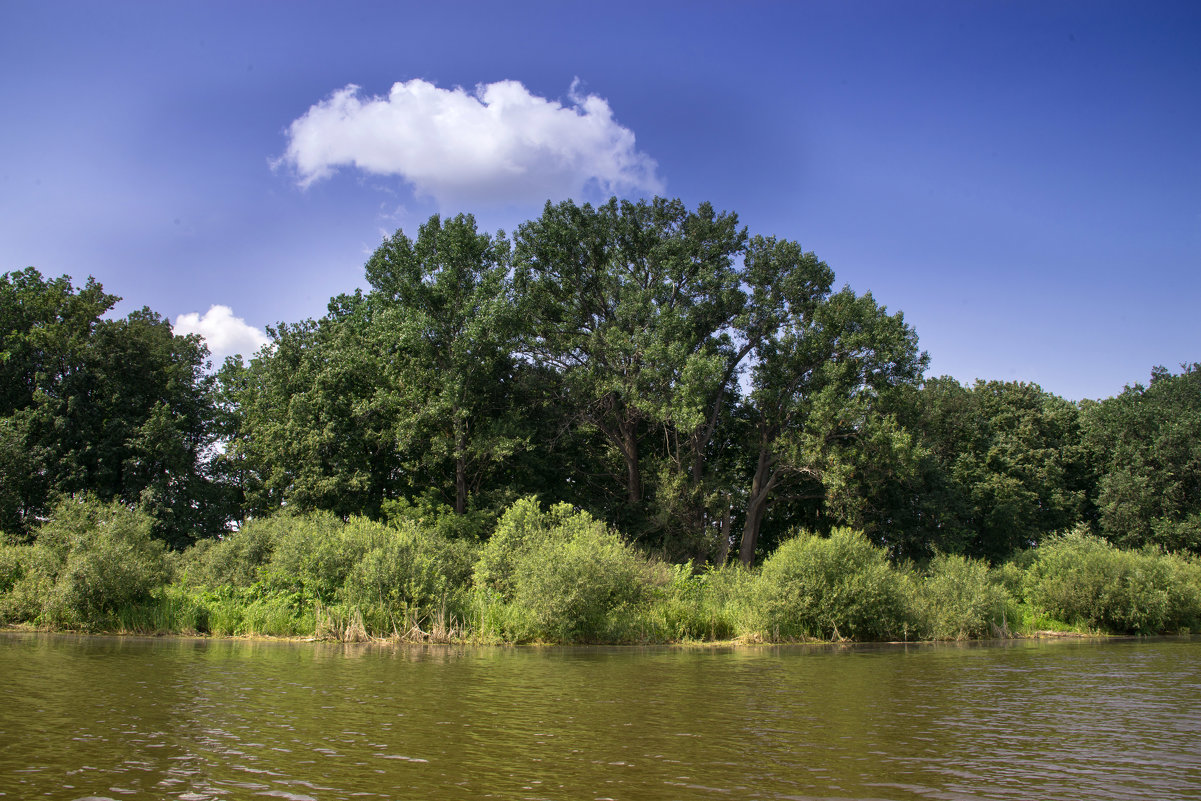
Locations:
(700, 606)
(89, 560)
(13, 564)
(1082, 579)
(314, 553)
(836, 587)
(564, 575)
(408, 573)
(958, 598)
(238, 558)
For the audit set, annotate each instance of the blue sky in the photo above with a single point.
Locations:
(1022, 180)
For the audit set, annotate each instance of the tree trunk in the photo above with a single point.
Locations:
(629, 450)
(761, 486)
(460, 469)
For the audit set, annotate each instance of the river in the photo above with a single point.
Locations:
(194, 720)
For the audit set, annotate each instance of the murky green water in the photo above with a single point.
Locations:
(110, 718)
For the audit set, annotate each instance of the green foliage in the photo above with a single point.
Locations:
(315, 420)
(841, 586)
(1000, 467)
(89, 560)
(408, 573)
(14, 561)
(119, 408)
(632, 308)
(1145, 447)
(238, 558)
(518, 532)
(687, 606)
(564, 574)
(958, 598)
(816, 384)
(428, 511)
(315, 553)
(1079, 578)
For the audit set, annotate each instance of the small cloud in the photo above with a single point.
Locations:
(498, 144)
(224, 334)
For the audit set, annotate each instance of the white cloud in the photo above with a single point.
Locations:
(224, 334)
(498, 144)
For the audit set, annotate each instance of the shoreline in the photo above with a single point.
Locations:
(740, 642)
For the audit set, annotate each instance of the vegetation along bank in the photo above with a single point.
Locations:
(627, 423)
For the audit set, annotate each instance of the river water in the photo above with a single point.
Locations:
(97, 718)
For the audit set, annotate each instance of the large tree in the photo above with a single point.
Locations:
(815, 388)
(315, 427)
(444, 323)
(118, 408)
(999, 468)
(632, 306)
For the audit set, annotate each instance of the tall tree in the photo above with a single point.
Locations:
(445, 319)
(316, 422)
(815, 383)
(1001, 468)
(119, 408)
(632, 306)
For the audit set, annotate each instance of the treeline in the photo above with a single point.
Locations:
(706, 392)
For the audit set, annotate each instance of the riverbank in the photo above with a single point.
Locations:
(559, 576)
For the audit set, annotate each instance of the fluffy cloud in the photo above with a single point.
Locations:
(224, 334)
(496, 144)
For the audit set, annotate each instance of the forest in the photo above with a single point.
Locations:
(627, 422)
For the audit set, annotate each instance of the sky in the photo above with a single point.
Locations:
(1021, 179)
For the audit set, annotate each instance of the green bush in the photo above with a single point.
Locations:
(1081, 579)
(830, 588)
(522, 526)
(697, 606)
(408, 573)
(565, 575)
(314, 553)
(238, 558)
(13, 564)
(958, 598)
(89, 560)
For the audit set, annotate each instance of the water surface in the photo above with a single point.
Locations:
(191, 720)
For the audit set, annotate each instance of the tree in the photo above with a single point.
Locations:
(632, 305)
(119, 408)
(1145, 445)
(315, 428)
(444, 317)
(1000, 468)
(816, 382)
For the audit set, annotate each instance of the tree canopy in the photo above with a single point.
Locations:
(700, 388)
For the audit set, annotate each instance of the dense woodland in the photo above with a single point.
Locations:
(702, 392)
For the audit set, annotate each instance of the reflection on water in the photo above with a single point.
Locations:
(196, 720)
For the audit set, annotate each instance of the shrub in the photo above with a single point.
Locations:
(958, 598)
(408, 572)
(14, 560)
(522, 526)
(699, 606)
(88, 560)
(314, 553)
(1082, 579)
(564, 574)
(835, 587)
(238, 558)
(12, 565)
